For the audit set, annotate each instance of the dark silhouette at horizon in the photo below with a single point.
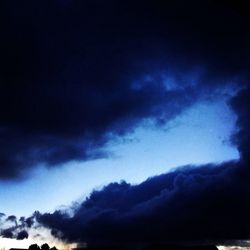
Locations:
(35, 246)
(152, 247)
(45, 246)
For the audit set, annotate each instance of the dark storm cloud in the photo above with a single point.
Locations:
(22, 235)
(12, 233)
(241, 106)
(186, 205)
(75, 75)
(192, 203)
(7, 233)
(26, 222)
(12, 218)
(14, 228)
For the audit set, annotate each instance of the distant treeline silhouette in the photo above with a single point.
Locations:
(45, 246)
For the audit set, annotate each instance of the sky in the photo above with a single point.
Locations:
(214, 123)
(124, 122)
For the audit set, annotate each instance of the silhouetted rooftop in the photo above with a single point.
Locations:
(18, 249)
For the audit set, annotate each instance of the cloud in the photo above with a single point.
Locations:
(186, 205)
(191, 203)
(7, 233)
(240, 104)
(14, 228)
(12, 233)
(12, 218)
(74, 76)
(2, 215)
(22, 235)
(94, 69)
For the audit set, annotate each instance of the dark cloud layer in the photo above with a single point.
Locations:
(192, 203)
(75, 74)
